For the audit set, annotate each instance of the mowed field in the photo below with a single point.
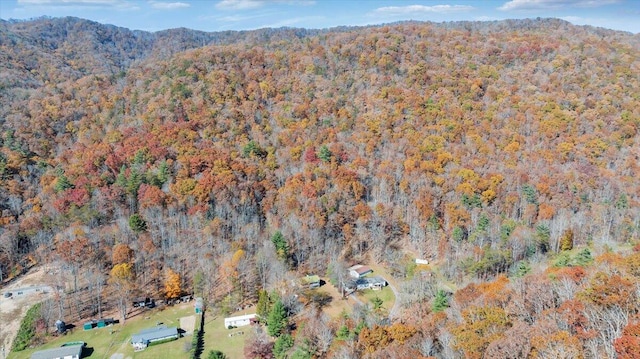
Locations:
(114, 341)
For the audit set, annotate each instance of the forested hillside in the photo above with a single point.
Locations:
(491, 149)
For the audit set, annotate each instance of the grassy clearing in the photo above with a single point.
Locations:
(386, 294)
(216, 337)
(116, 338)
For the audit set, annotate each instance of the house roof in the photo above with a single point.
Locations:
(55, 353)
(360, 269)
(156, 333)
(311, 279)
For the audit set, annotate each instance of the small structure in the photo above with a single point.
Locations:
(359, 271)
(65, 352)
(103, 322)
(199, 305)
(144, 302)
(240, 321)
(61, 327)
(99, 323)
(310, 281)
(89, 325)
(149, 336)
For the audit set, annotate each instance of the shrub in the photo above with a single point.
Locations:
(27, 329)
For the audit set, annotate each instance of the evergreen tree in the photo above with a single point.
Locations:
(277, 319)
(282, 345)
(543, 233)
(584, 257)
(324, 154)
(282, 247)
(137, 224)
(263, 305)
(377, 303)
(522, 269)
(62, 183)
(440, 302)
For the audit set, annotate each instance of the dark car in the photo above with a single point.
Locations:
(8, 294)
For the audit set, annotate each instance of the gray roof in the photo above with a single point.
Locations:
(151, 334)
(56, 353)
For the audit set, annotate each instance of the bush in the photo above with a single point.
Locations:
(161, 341)
(27, 329)
(216, 354)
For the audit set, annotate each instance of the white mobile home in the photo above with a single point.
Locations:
(240, 321)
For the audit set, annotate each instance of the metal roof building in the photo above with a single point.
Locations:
(68, 352)
(144, 337)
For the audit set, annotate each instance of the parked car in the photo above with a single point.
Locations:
(8, 294)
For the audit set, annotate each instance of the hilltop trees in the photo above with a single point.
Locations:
(486, 147)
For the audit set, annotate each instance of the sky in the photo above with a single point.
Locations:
(220, 15)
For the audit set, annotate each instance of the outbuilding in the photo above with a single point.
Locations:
(359, 271)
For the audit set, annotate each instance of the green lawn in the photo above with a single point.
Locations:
(386, 294)
(216, 337)
(116, 339)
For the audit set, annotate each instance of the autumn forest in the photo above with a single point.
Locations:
(507, 154)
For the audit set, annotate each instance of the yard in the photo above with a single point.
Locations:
(386, 294)
(115, 339)
(229, 341)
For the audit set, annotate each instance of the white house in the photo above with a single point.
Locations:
(240, 321)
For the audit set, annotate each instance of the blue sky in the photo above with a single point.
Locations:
(217, 15)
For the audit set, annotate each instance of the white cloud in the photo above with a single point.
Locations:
(102, 4)
(71, 2)
(418, 9)
(168, 5)
(516, 5)
(296, 21)
(254, 4)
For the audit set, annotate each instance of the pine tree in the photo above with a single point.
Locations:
(324, 154)
(522, 269)
(137, 224)
(277, 320)
(263, 305)
(584, 257)
(440, 302)
(282, 345)
(282, 247)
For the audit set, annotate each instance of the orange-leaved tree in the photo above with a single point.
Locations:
(172, 288)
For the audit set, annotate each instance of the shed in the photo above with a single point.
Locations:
(65, 352)
(146, 337)
(240, 321)
(311, 281)
(359, 271)
(199, 305)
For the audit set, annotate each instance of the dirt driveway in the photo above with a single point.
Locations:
(25, 292)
